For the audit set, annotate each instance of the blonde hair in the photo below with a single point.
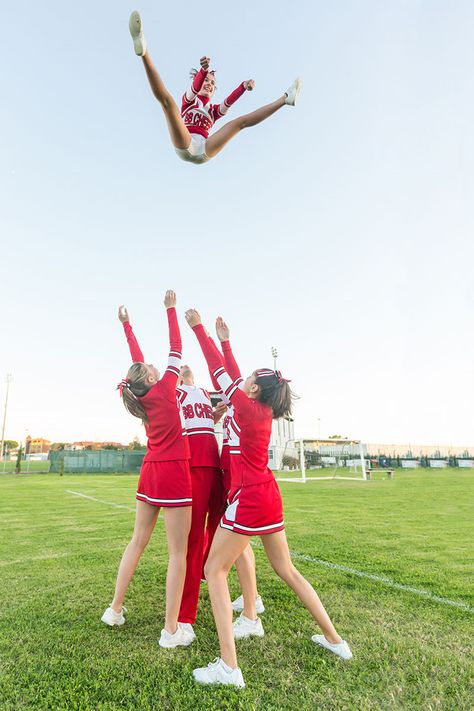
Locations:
(134, 386)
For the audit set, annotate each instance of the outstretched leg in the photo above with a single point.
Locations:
(180, 136)
(227, 546)
(177, 524)
(218, 140)
(276, 548)
(245, 566)
(145, 519)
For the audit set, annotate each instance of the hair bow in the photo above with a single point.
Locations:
(125, 383)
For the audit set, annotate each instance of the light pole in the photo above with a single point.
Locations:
(275, 356)
(8, 379)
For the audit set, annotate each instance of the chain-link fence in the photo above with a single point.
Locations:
(98, 460)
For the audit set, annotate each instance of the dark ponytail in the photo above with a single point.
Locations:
(274, 391)
(132, 387)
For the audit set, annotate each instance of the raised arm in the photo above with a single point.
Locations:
(170, 377)
(215, 363)
(219, 110)
(223, 334)
(198, 81)
(215, 384)
(135, 351)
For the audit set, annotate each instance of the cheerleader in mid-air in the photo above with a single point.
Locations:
(189, 128)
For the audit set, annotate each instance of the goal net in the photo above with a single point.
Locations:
(318, 460)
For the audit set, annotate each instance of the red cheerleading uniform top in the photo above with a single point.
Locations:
(228, 431)
(167, 438)
(251, 423)
(197, 411)
(199, 115)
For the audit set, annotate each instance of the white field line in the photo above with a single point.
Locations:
(334, 566)
(100, 501)
(379, 579)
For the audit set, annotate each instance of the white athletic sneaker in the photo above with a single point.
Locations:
(135, 27)
(181, 638)
(188, 628)
(217, 672)
(243, 627)
(342, 649)
(112, 618)
(293, 92)
(238, 604)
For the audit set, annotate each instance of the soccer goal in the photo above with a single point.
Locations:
(322, 460)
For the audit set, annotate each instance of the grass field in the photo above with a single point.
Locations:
(413, 648)
(26, 467)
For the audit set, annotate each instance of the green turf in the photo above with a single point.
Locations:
(26, 467)
(59, 555)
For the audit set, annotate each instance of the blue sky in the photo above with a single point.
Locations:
(340, 231)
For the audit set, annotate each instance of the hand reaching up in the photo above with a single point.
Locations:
(123, 314)
(192, 317)
(222, 329)
(170, 299)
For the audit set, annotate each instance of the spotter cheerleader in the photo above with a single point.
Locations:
(165, 480)
(255, 509)
(199, 419)
(189, 128)
(250, 602)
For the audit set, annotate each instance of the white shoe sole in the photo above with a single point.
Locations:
(218, 683)
(296, 93)
(111, 624)
(249, 634)
(135, 27)
(172, 645)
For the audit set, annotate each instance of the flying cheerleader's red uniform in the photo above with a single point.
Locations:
(197, 410)
(255, 505)
(165, 478)
(199, 115)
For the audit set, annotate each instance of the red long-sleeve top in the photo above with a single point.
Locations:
(227, 429)
(251, 422)
(166, 435)
(198, 113)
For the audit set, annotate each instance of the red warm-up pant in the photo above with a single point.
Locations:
(217, 506)
(204, 482)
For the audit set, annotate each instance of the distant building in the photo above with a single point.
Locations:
(415, 451)
(282, 450)
(36, 445)
(80, 446)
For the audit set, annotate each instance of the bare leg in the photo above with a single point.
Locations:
(276, 548)
(145, 519)
(245, 566)
(218, 140)
(177, 524)
(226, 548)
(180, 136)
